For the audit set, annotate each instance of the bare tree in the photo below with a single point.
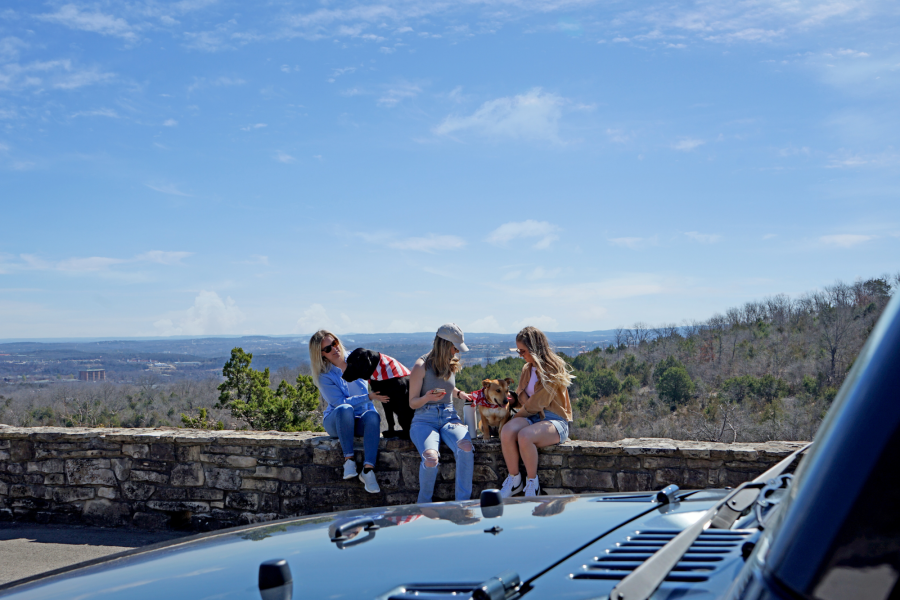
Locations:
(621, 337)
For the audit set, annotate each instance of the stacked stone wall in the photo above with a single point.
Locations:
(177, 478)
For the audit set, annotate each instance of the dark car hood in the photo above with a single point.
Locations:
(441, 542)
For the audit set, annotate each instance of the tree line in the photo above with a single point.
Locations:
(766, 370)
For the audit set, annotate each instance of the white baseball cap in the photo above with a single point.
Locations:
(452, 333)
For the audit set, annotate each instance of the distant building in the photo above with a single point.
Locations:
(92, 375)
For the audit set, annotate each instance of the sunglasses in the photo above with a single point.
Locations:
(329, 347)
(521, 352)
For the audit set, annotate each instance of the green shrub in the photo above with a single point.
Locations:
(675, 386)
(630, 383)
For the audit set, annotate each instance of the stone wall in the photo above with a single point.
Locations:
(202, 480)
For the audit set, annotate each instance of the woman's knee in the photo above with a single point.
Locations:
(526, 438)
(343, 411)
(371, 419)
(430, 459)
(464, 445)
(508, 435)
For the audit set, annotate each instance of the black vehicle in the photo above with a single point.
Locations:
(831, 530)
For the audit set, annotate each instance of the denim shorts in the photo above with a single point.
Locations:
(562, 426)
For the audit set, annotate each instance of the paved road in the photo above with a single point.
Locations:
(29, 549)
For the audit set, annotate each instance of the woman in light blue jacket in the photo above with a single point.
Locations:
(350, 411)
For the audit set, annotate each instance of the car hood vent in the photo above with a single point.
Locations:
(434, 591)
(504, 586)
(711, 550)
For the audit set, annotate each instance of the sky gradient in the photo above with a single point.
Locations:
(203, 167)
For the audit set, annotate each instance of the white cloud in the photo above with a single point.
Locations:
(544, 231)
(338, 72)
(58, 74)
(90, 264)
(210, 315)
(252, 127)
(202, 82)
(704, 238)
(96, 264)
(486, 325)
(845, 240)
(168, 189)
(848, 160)
(100, 112)
(73, 17)
(544, 323)
(769, 236)
(10, 47)
(316, 317)
(256, 259)
(395, 94)
(430, 243)
(687, 144)
(852, 53)
(162, 257)
(511, 275)
(542, 273)
(284, 158)
(534, 115)
(618, 136)
(170, 123)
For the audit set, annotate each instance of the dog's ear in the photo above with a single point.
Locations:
(351, 373)
(485, 383)
(509, 381)
(371, 359)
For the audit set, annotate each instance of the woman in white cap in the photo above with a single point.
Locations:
(432, 385)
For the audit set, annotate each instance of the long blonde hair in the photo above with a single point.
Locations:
(552, 371)
(442, 360)
(319, 365)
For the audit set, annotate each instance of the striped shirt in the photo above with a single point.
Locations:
(388, 368)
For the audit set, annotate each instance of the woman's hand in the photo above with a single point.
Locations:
(436, 394)
(463, 396)
(380, 398)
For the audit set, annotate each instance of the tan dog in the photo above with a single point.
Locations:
(493, 405)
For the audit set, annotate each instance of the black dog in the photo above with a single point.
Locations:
(387, 377)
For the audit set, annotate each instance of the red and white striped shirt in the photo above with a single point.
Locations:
(388, 368)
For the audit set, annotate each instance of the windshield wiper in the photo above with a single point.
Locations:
(644, 580)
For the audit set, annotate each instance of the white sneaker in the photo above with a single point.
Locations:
(368, 478)
(350, 469)
(512, 485)
(532, 487)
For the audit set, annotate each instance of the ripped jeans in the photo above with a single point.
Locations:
(431, 424)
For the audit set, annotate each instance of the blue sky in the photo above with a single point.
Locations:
(217, 167)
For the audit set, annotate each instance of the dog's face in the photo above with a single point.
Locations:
(361, 364)
(496, 390)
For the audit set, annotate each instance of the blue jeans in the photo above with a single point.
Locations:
(342, 424)
(431, 424)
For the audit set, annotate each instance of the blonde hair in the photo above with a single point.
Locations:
(319, 365)
(442, 360)
(552, 371)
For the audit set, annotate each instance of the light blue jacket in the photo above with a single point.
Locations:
(336, 392)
